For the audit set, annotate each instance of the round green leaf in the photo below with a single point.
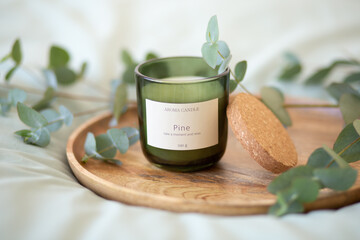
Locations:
(337, 178)
(224, 64)
(10, 73)
(132, 134)
(319, 159)
(233, 85)
(49, 96)
(65, 76)
(339, 160)
(151, 55)
(43, 138)
(240, 70)
(356, 124)
(126, 58)
(319, 76)
(105, 146)
(336, 90)
(66, 115)
(210, 54)
(212, 31)
(224, 51)
(292, 67)
(52, 116)
(349, 107)
(346, 138)
(50, 78)
(119, 139)
(30, 117)
(128, 74)
(306, 189)
(16, 52)
(274, 100)
(284, 180)
(354, 77)
(90, 146)
(82, 70)
(59, 57)
(16, 95)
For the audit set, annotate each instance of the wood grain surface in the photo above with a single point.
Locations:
(235, 186)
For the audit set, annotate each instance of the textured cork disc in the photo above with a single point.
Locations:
(261, 133)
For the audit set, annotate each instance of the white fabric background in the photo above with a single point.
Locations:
(39, 196)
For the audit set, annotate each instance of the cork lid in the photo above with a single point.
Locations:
(261, 133)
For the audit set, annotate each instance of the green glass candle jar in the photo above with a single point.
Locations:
(182, 112)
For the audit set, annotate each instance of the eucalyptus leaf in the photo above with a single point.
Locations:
(306, 189)
(223, 50)
(284, 180)
(30, 117)
(339, 160)
(49, 96)
(26, 133)
(274, 100)
(105, 146)
(132, 134)
(59, 57)
(349, 107)
(66, 115)
(210, 54)
(240, 70)
(16, 52)
(50, 78)
(41, 137)
(320, 159)
(16, 95)
(337, 178)
(319, 76)
(224, 64)
(119, 139)
(336, 90)
(126, 58)
(90, 147)
(128, 74)
(348, 137)
(292, 67)
(54, 117)
(64, 75)
(233, 85)
(212, 31)
(10, 73)
(356, 124)
(5, 107)
(353, 77)
(82, 70)
(150, 55)
(120, 99)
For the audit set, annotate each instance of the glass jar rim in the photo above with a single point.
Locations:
(159, 80)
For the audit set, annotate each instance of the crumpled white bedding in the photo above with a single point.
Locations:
(39, 196)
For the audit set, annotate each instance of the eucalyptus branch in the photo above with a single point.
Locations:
(343, 150)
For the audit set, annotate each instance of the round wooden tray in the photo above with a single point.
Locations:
(235, 186)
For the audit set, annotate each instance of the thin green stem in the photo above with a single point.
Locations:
(311, 105)
(342, 151)
(234, 76)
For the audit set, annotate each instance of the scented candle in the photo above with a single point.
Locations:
(182, 112)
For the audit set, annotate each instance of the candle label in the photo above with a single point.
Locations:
(182, 126)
